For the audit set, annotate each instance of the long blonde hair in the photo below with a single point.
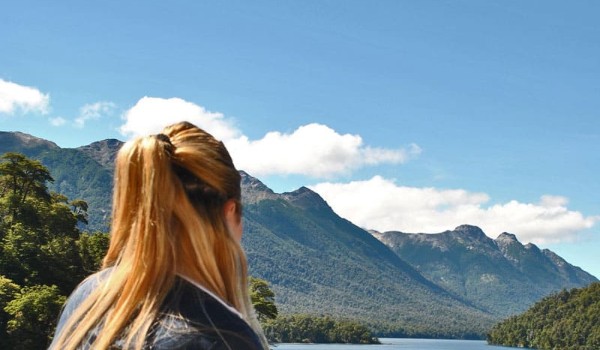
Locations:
(167, 220)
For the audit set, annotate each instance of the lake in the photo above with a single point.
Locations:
(399, 344)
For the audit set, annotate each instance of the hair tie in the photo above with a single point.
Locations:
(164, 138)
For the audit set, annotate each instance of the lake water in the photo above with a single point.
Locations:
(399, 344)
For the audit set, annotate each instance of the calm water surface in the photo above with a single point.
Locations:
(399, 344)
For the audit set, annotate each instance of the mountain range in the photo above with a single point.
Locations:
(491, 273)
(452, 284)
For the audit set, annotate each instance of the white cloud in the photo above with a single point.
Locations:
(93, 111)
(151, 114)
(314, 150)
(57, 121)
(382, 205)
(15, 97)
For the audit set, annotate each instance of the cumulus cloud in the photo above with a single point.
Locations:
(314, 150)
(152, 114)
(93, 111)
(382, 205)
(15, 97)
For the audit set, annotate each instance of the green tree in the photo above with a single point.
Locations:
(92, 248)
(263, 299)
(33, 314)
(80, 208)
(43, 254)
(8, 291)
(20, 178)
(39, 230)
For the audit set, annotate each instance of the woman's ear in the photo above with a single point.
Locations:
(233, 219)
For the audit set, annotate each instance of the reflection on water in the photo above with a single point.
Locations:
(399, 344)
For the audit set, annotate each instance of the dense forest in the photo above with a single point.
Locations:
(44, 254)
(317, 329)
(568, 320)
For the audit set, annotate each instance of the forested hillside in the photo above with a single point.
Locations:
(569, 320)
(319, 263)
(75, 172)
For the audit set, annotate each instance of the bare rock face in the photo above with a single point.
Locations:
(254, 191)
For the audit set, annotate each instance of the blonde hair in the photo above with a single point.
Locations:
(168, 220)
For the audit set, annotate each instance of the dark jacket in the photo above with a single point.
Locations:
(190, 318)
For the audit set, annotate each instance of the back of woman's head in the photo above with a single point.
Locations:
(170, 190)
(168, 220)
(161, 181)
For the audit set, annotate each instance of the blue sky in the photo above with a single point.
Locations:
(415, 116)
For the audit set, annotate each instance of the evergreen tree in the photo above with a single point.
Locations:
(43, 253)
(263, 299)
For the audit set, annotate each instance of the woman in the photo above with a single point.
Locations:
(174, 276)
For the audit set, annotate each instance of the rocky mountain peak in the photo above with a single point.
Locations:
(10, 140)
(510, 247)
(307, 198)
(253, 190)
(470, 232)
(506, 238)
(104, 152)
(532, 247)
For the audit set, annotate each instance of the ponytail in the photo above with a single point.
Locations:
(167, 220)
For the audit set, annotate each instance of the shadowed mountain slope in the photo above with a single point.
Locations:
(321, 263)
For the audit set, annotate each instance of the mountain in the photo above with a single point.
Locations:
(29, 145)
(320, 263)
(565, 320)
(501, 276)
(77, 173)
(453, 284)
(104, 152)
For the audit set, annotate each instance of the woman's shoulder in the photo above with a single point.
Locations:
(194, 318)
(81, 292)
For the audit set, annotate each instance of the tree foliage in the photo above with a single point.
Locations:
(8, 291)
(568, 320)
(43, 253)
(33, 311)
(300, 328)
(20, 179)
(263, 299)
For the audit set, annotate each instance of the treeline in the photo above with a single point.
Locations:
(43, 253)
(317, 329)
(569, 320)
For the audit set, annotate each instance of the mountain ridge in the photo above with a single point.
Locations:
(319, 262)
(336, 261)
(499, 270)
